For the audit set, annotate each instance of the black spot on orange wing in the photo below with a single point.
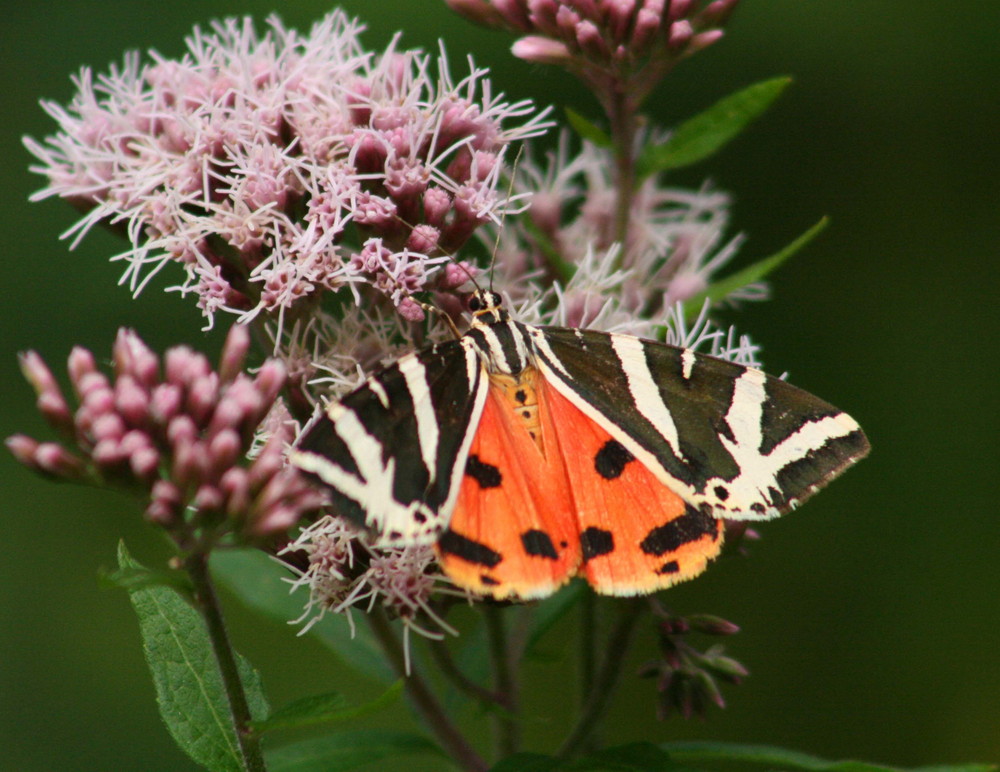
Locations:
(487, 475)
(670, 537)
(596, 542)
(636, 535)
(463, 547)
(521, 519)
(612, 459)
(538, 544)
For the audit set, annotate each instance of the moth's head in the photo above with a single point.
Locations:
(487, 307)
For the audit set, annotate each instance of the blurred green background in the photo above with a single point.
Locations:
(871, 619)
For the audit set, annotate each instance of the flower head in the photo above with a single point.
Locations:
(602, 40)
(345, 570)
(687, 678)
(175, 431)
(275, 167)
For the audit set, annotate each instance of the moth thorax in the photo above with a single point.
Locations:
(520, 394)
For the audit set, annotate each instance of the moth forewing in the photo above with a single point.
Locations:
(392, 451)
(718, 434)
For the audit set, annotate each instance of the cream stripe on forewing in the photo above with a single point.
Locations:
(479, 386)
(746, 411)
(379, 391)
(687, 363)
(415, 375)
(542, 345)
(645, 393)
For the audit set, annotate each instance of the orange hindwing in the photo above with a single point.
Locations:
(548, 494)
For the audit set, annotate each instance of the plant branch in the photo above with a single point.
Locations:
(207, 603)
(508, 730)
(606, 677)
(448, 667)
(424, 700)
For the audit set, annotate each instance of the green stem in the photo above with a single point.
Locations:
(426, 703)
(605, 679)
(450, 670)
(207, 602)
(588, 656)
(508, 730)
(622, 117)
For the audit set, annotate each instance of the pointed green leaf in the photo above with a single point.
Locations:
(258, 581)
(770, 757)
(189, 687)
(140, 578)
(527, 762)
(708, 132)
(756, 272)
(325, 708)
(347, 751)
(587, 129)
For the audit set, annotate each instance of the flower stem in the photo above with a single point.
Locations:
(207, 602)
(427, 704)
(606, 677)
(588, 651)
(508, 731)
(621, 114)
(450, 669)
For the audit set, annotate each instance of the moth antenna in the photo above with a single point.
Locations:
(503, 215)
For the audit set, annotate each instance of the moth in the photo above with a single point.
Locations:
(528, 455)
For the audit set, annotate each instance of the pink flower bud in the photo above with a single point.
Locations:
(234, 352)
(437, 203)
(23, 449)
(165, 402)
(235, 486)
(81, 362)
(131, 401)
(145, 464)
(133, 357)
(534, 48)
(56, 460)
(410, 310)
(208, 499)
(223, 451)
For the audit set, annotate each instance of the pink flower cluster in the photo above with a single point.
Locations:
(637, 39)
(272, 167)
(344, 570)
(176, 437)
(675, 248)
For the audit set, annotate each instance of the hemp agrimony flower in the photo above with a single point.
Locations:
(275, 167)
(175, 432)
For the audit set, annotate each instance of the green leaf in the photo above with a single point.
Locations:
(141, 577)
(756, 272)
(702, 136)
(588, 130)
(257, 580)
(324, 708)
(782, 758)
(633, 757)
(351, 750)
(527, 762)
(189, 688)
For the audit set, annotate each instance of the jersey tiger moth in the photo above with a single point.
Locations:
(529, 455)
